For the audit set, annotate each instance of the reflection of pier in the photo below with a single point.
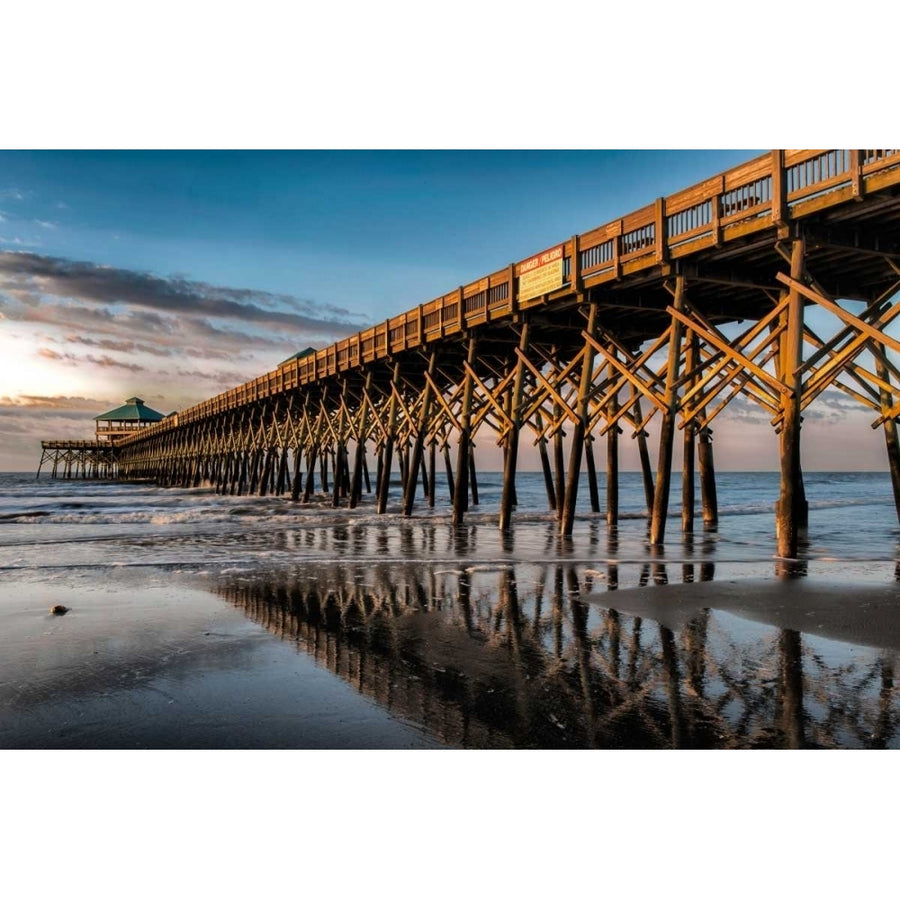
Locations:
(514, 657)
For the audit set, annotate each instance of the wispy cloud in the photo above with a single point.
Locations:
(34, 402)
(18, 242)
(47, 276)
(120, 346)
(52, 226)
(11, 194)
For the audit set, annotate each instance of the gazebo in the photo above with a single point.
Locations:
(126, 419)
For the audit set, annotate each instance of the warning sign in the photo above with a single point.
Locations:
(541, 274)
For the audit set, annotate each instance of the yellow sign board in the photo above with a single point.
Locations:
(541, 274)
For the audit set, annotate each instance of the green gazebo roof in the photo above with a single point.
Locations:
(299, 355)
(134, 410)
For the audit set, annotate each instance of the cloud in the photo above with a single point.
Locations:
(51, 226)
(104, 362)
(47, 353)
(31, 403)
(108, 362)
(18, 242)
(121, 346)
(12, 194)
(89, 283)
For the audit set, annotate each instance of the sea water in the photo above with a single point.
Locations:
(203, 620)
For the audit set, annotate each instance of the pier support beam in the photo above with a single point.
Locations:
(512, 448)
(460, 495)
(412, 470)
(360, 457)
(688, 444)
(578, 432)
(612, 461)
(545, 464)
(890, 426)
(646, 468)
(667, 430)
(707, 479)
(311, 459)
(790, 513)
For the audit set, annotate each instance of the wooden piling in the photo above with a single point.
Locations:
(460, 495)
(593, 491)
(338, 477)
(667, 430)
(311, 460)
(559, 465)
(412, 475)
(567, 519)
(688, 492)
(423, 466)
(646, 468)
(545, 464)
(448, 465)
(360, 457)
(281, 481)
(612, 463)
(787, 525)
(708, 497)
(432, 453)
(507, 497)
(295, 480)
(890, 426)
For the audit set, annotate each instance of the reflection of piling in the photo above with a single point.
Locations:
(884, 725)
(670, 666)
(791, 666)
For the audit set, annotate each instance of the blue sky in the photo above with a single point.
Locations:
(176, 275)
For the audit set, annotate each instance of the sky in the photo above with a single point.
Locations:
(175, 275)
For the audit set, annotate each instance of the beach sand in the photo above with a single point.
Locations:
(408, 657)
(144, 660)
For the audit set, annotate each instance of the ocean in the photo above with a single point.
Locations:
(205, 621)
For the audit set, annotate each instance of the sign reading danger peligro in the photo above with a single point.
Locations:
(541, 274)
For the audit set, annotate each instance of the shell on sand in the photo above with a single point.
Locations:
(59, 610)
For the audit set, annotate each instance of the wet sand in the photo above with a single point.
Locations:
(861, 614)
(166, 665)
(415, 656)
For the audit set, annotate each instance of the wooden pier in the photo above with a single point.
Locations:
(594, 337)
(79, 459)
